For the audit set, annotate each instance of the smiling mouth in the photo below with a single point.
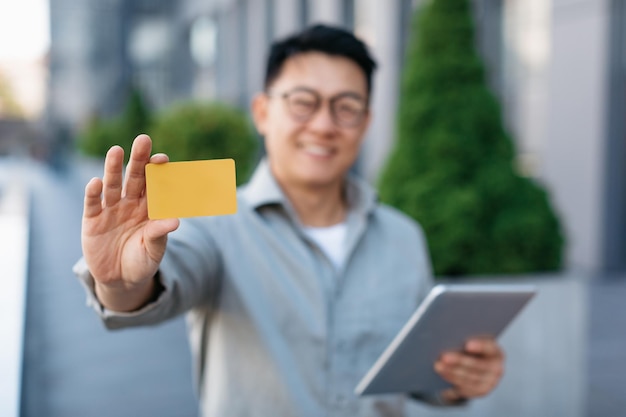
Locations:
(317, 150)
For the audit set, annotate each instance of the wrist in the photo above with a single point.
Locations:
(126, 297)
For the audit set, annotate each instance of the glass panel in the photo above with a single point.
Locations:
(203, 41)
(347, 12)
(270, 21)
(304, 13)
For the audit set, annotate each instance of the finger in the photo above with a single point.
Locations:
(469, 362)
(135, 180)
(157, 229)
(471, 375)
(483, 347)
(451, 358)
(460, 376)
(159, 158)
(112, 182)
(453, 368)
(155, 237)
(467, 384)
(469, 390)
(470, 386)
(93, 200)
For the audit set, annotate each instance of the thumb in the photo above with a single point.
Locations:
(157, 230)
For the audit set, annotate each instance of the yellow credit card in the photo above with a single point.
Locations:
(191, 188)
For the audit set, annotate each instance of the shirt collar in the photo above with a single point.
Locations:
(263, 189)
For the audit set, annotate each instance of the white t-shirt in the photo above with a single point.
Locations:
(331, 240)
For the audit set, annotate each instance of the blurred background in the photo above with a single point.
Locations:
(72, 71)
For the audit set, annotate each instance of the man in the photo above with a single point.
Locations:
(292, 299)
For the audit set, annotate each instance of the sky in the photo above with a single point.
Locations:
(24, 29)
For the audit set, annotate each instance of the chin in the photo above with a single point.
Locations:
(322, 179)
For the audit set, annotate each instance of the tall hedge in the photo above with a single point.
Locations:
(192, 130)
(452, 167)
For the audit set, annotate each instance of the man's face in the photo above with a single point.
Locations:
(313, 119)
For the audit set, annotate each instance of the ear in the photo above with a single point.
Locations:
(259, 112)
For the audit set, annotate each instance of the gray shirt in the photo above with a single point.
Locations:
(275, 329)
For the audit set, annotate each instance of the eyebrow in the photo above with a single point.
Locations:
(347, 93)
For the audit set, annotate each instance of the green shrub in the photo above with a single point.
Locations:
(191, 131)
(185, 131)
(452, 167)
(100, 135)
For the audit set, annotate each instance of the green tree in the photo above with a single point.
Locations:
(136, 119)
(452, 167)
(191, 131)
(99, 135)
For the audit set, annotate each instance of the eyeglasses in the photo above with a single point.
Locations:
(346, 109)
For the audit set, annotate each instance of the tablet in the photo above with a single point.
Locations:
(444, 321)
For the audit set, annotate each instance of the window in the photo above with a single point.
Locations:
(304, 12)
(203, 41)
(347, 13)
(270, 20)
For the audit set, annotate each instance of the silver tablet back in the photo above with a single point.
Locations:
(445, 320)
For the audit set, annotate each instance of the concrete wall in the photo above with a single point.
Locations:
(576, 143)
(287, 13)
(378, 24)
(328, 11)
(614, 246)
(13, 264)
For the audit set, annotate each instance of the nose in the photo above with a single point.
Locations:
(322, 121)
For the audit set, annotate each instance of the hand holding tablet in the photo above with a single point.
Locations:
(447, 318)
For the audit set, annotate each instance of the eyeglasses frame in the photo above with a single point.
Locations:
(320, 101)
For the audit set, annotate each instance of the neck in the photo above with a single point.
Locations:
(317, 206)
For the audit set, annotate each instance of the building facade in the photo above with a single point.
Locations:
(557, 66)
(583, 149)
(100, 50)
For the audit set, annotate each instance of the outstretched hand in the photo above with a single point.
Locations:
(475, 372)
(121, 246)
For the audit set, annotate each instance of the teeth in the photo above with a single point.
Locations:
(317, 150)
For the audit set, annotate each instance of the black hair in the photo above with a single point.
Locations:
(320, 38)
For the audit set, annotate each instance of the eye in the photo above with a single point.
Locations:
(348, 109)
(302, 104)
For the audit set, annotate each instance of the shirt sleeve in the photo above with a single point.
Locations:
(189, 276)
(148, 314)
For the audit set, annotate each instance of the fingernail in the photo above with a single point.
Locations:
(473, 345)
